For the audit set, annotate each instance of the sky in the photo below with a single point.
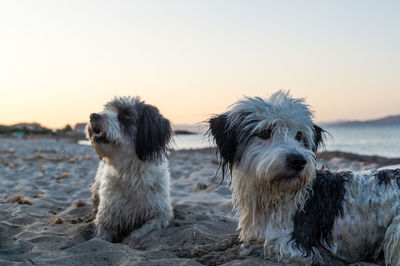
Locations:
(62, 60)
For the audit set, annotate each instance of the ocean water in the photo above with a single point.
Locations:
(193, 141)
(180, 142)
(366, 140)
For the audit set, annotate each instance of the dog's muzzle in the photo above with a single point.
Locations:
(296, 161)
(95, 130)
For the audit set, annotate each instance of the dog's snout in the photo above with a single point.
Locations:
(296, 161)
(94, 117)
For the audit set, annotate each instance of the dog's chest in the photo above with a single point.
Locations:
(138, 195)
(135, 189)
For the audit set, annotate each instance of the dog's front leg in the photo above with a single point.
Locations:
(94, 187)
(154, 224)
(391, 245)
(104, 233)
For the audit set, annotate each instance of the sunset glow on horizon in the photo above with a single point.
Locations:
(62, 60)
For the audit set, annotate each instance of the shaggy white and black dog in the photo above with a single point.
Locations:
(130, 192)
(300, 214)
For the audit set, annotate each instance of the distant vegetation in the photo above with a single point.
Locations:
(29, 129)
(386, 121)
(26, 129)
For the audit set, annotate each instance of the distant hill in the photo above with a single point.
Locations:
(386, 121)
(26, 128)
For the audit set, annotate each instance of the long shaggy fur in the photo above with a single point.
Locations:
(301, 214)
(130, 192)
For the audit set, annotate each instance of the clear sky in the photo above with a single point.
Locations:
(62, 60)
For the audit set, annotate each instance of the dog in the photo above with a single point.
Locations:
(302, 215)
(130, 192)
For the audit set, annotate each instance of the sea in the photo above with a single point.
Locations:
(366, 140)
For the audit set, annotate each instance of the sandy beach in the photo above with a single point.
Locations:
(46, 219)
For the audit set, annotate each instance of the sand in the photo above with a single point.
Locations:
(46, 219)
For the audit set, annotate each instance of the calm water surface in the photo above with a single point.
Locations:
(367, 140)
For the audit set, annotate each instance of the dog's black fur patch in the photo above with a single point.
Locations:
(232, 138)
(127, 120)
(225, 138)
(386, 176)
(127, 116)
(153, 133)
(319, 136)
(313, 225)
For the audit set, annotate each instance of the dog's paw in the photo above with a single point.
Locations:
(133, 239)
(136, 236)
(104, 234)
(251, 249)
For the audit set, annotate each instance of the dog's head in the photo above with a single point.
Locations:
(130, 126)
(271, 139)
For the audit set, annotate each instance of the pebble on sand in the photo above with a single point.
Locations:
(18, 199)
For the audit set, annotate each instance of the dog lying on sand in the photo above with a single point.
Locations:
(130, 192)
(301, 214)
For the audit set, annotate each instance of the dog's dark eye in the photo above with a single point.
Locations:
(124, 116)
(305, 143)
(265, 134)
(299, 136)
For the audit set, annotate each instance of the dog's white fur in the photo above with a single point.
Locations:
(131, 190)
(265, 161)
(268, 193)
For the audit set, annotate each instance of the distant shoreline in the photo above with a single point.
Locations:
(393, 120)
(325, 155)
(185, 132)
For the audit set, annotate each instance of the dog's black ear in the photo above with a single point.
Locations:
(319, 137)
(153, 134)
(225, 138)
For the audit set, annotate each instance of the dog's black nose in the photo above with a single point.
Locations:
(296, 161)
(94, 117)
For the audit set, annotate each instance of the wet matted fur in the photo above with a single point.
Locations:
(301, 214)
(130, 192)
